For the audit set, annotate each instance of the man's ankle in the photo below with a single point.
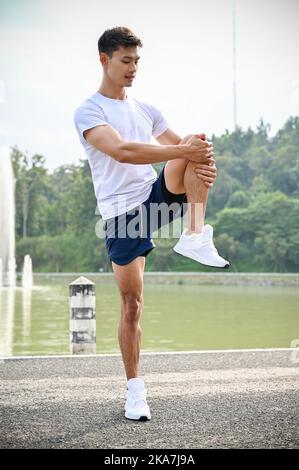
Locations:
(191, 232)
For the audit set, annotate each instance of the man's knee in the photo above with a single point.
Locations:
(132, 306)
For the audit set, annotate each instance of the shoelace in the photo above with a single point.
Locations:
(137, 396)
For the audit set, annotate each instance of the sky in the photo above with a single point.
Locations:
(49, 65)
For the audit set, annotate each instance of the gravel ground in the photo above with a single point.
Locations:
(240, 399)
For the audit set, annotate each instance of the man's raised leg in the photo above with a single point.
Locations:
(181, 177)
(196, 242)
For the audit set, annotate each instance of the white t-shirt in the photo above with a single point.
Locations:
(119, 187)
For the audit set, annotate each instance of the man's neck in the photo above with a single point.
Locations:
(110, 91)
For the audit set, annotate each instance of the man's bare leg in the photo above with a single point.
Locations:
(197, 197)
(130, 283)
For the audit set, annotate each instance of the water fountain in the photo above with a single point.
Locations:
(1, 275)
(7, 219)
(11, 274)
(8, 261)
(27, 276)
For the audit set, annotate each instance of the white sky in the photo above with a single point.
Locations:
(49, 65)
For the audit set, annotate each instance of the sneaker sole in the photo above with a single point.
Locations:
(141, 418)
(226, 266)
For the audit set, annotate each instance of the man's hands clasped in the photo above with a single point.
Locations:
(199, 150)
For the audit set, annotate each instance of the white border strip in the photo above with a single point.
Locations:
(145, 353)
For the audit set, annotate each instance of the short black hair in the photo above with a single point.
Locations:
(112, 39)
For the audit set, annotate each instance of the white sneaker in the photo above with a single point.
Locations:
(200, 247)
(136, 406)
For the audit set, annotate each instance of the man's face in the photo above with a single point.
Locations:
(122, 67)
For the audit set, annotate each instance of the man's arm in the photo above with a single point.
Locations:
(169, 137)
(109, 141)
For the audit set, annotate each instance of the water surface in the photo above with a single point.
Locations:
(175, 318)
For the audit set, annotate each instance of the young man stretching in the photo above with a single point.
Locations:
(115, 131)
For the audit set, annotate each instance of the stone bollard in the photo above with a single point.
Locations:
(82, 316)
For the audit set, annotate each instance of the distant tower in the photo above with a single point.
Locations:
(234, 65)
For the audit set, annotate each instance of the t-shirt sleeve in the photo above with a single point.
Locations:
(160, 124)
(87, 118)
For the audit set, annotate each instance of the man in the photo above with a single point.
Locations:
(115, 131)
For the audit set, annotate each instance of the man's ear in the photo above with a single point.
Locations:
(103, 58)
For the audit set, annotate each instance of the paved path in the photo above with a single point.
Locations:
(246, 399)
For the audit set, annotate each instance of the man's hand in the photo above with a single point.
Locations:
(199, 149)
(207, 173)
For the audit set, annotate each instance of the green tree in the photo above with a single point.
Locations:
(239, 199)
(30, 193)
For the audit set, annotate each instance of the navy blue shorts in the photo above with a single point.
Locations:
(130, 235)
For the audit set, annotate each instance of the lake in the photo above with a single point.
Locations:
(178, 315)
